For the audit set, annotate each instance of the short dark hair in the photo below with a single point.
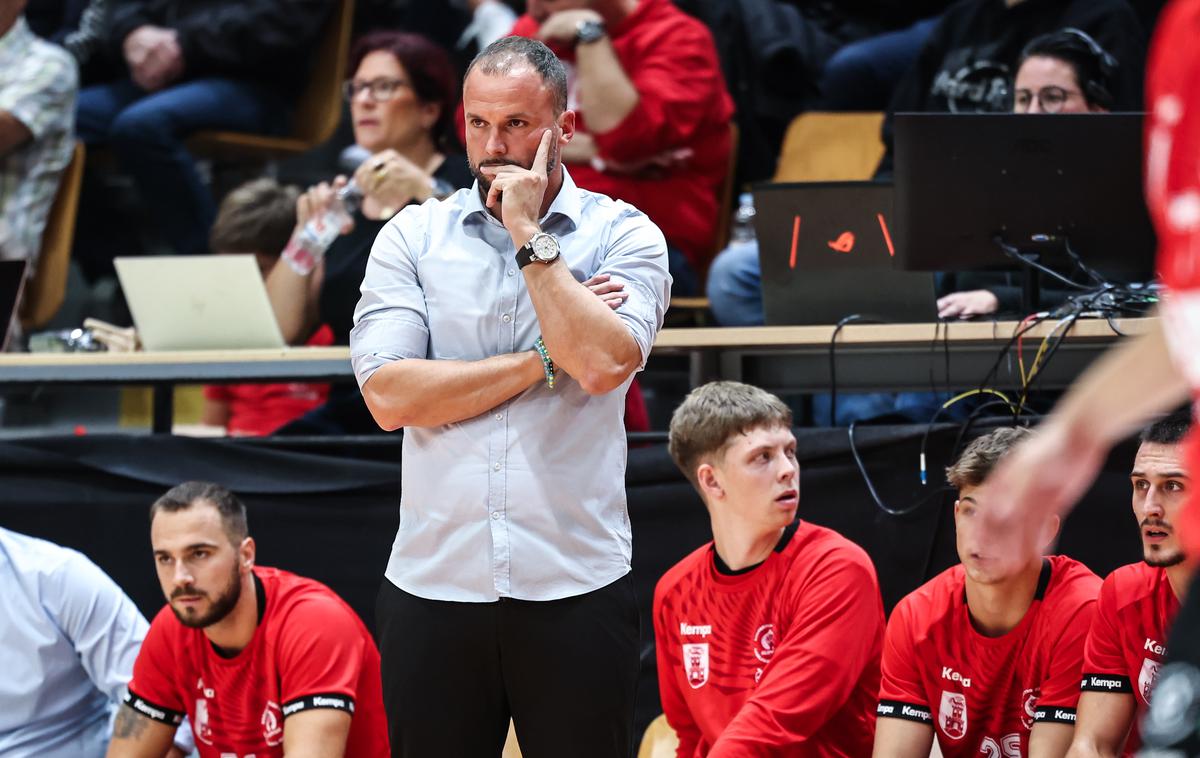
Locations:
(1170, 429)
(500, 56)
(184, 496)
(255, 217)
(1095, 68)
(982, 455)
(712, 414)
(430, 73)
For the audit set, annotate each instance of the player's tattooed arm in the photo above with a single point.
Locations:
(137, 736)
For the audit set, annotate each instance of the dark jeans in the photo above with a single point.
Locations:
(565, 671)
(147, 130)
(861, 75)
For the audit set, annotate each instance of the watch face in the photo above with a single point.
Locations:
(545, 247)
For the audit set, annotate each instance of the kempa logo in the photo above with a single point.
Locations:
(291, 708)
(1154, 646)
(328, 702)
(954, 676)
(916, 713)
(153, 713)
(1108, 684)
(688, 630)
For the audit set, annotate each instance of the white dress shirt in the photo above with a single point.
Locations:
(527, 500)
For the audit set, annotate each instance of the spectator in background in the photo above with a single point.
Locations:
(1065, 71)
(652, 113)
(257, 219)
(192, 65)
(403, 97)
(68, 639)
(38, 84)
(967, 64)
(79, 26)
(1062, 72)
(768, 638)
(262, 661)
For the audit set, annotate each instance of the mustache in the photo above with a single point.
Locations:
(186, 591)
(500, 162)
(1156, 523)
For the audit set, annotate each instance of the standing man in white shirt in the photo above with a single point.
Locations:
(507, 592)
(68, 639)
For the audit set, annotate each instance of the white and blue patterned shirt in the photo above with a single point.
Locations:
(38, 84)
(527, 500)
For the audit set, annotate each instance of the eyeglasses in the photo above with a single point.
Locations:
(380, 90)
(1052, 99)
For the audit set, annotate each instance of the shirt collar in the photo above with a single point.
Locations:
(16, 39)
(566, 204)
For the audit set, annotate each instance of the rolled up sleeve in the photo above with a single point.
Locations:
(391, 322)
(636, 256)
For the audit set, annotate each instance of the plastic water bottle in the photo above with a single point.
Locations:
(743, 219)
(309, 244)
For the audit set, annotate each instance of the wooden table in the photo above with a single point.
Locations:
(868, 357)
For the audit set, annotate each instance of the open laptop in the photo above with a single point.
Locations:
(198, 302)
(827, 251)
(12, 281)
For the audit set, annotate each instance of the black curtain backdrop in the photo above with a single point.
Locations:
(328, 508)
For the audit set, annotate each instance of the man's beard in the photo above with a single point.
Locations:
(485, 183)
(1164, 559)
(221, 606)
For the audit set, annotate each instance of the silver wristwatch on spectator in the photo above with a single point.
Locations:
(541, 248)
(589, 30)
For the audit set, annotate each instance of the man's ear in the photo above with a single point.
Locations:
(246, 554)
(1049, 533)
(566, 124)
(709, 482)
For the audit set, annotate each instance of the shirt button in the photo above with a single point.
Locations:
(506, 318)
(497, 466)
(512, 272)
(499, 416)
(495, 515)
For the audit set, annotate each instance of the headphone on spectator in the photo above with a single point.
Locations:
(1095, 67)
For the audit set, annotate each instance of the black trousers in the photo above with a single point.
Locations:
(565, 671)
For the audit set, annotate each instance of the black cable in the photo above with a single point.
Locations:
(852, 318)
(862, 469)
(1013, 252)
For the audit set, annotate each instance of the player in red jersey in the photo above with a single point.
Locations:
(263, 663)
(1127, 642)
(1142, 377)
(768, 637)
(986, 660)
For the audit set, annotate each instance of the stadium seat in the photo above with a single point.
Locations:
(659, 741)
(44, 293)
(317, 111)
(830, 147)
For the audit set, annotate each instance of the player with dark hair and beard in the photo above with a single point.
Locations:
(1127, 642)
(263, 662)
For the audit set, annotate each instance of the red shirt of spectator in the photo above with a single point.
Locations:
(782, 659)
(1173, 197)
(983, 694)
(256, 410)
(310, 650)
(682, 104)
(1128, 639)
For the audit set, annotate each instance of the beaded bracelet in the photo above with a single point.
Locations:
(547, 364)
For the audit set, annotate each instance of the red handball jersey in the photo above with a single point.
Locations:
(309, 651)
(983, 694)
(782, 659)
(1127, 642)
(1173, 197)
